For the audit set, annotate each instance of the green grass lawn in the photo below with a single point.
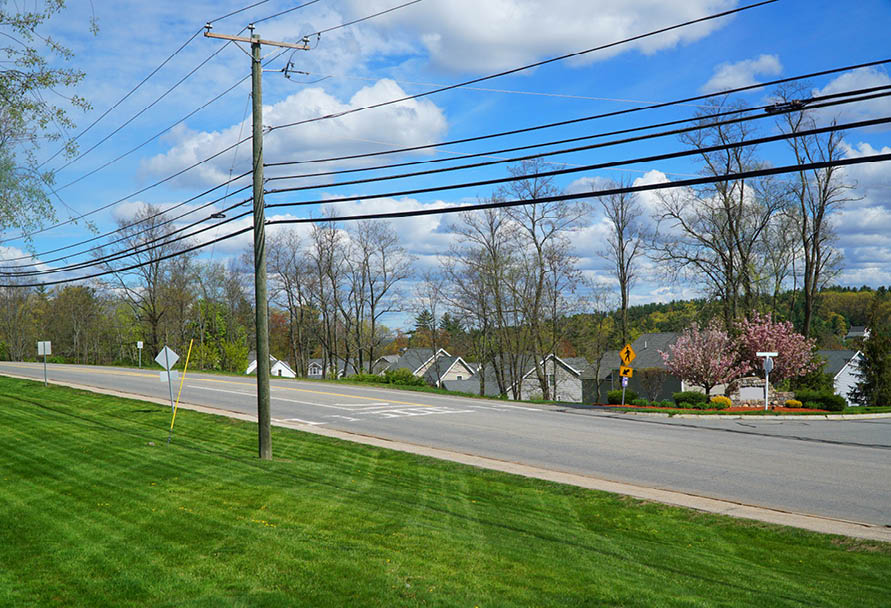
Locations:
(96, 509)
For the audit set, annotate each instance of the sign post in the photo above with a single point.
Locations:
(139, 348)
(44, 348)
(768, 367)
(627, 355)
(167, 359)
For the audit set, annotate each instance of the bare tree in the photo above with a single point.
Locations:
(379, 263)
(291, 272)
(478, 269)
(549, 271)
(325, 255)
(817, 194)
(711, 234)
(16, 319)
(624, 244)
(151, 239)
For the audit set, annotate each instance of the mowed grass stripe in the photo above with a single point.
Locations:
(334, 523)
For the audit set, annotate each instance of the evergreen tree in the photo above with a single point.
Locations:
(874, 371)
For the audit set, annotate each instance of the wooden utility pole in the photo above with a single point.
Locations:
(260, 297)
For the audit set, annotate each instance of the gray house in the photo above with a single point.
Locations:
(564, 377)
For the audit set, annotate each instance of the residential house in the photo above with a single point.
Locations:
(842, 365)
(447, 368)
(564, 376)
(857, 333)
(337, 367)
(277, 367)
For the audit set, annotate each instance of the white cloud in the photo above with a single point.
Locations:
(742, 73)
(473, 36)
(399, 125)
(862, 78)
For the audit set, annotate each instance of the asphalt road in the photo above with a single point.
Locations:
(838, 469)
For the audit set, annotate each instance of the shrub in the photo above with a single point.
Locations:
(615, 397)
(667, 403)
(720, 402)
(812, 405)
(834, 403)
(402, 377)
(792, 403)
(689, 397)
(367, 378)
(640, 402)
(825, 400)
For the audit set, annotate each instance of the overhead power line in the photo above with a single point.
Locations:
(124, 98)
(590, 167)
(742, 175)
(703, 122)
(885, 92)
(532, 65)
(667, 156)
(709, 121)
(701, 181)
(572, 121)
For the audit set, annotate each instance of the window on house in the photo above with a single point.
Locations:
(459, 377)
(552, 380)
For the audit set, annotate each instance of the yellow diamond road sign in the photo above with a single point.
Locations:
(625, 372)
(627, 354)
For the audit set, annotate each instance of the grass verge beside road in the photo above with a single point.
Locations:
(97, 509)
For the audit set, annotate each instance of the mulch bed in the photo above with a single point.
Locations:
(729, 410)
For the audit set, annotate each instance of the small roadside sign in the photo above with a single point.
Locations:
(768, 365)
(624, 383)
(167, 358)
(627, 354)
(626, 372)
(139, 345)
(44, 348)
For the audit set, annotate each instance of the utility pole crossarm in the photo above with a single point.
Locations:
(302, 46)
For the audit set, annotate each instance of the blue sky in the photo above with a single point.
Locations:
(437, 42)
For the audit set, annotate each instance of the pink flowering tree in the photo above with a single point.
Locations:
(705, 357)
(795, 356)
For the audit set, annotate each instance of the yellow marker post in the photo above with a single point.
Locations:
(180, 392)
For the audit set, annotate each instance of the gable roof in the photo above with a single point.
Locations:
(414, 359)
(647, 348)
(857, 331)
(836, 360)
(442, 366)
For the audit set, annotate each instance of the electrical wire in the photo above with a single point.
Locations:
(722, 147)
(531, 65)
(288, 10)
(738, 176)
(361, 19)
(124, 98)
(140, 191)
(501, 204)
(573, 121)
(491, 153)
(708, 123)
(590, 167)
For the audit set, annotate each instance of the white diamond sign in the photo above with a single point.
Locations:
(167, 358)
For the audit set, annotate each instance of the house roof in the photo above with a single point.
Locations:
(836, 360)
(857, 331)
(413, 358)
(647, 348)
(441, 367)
